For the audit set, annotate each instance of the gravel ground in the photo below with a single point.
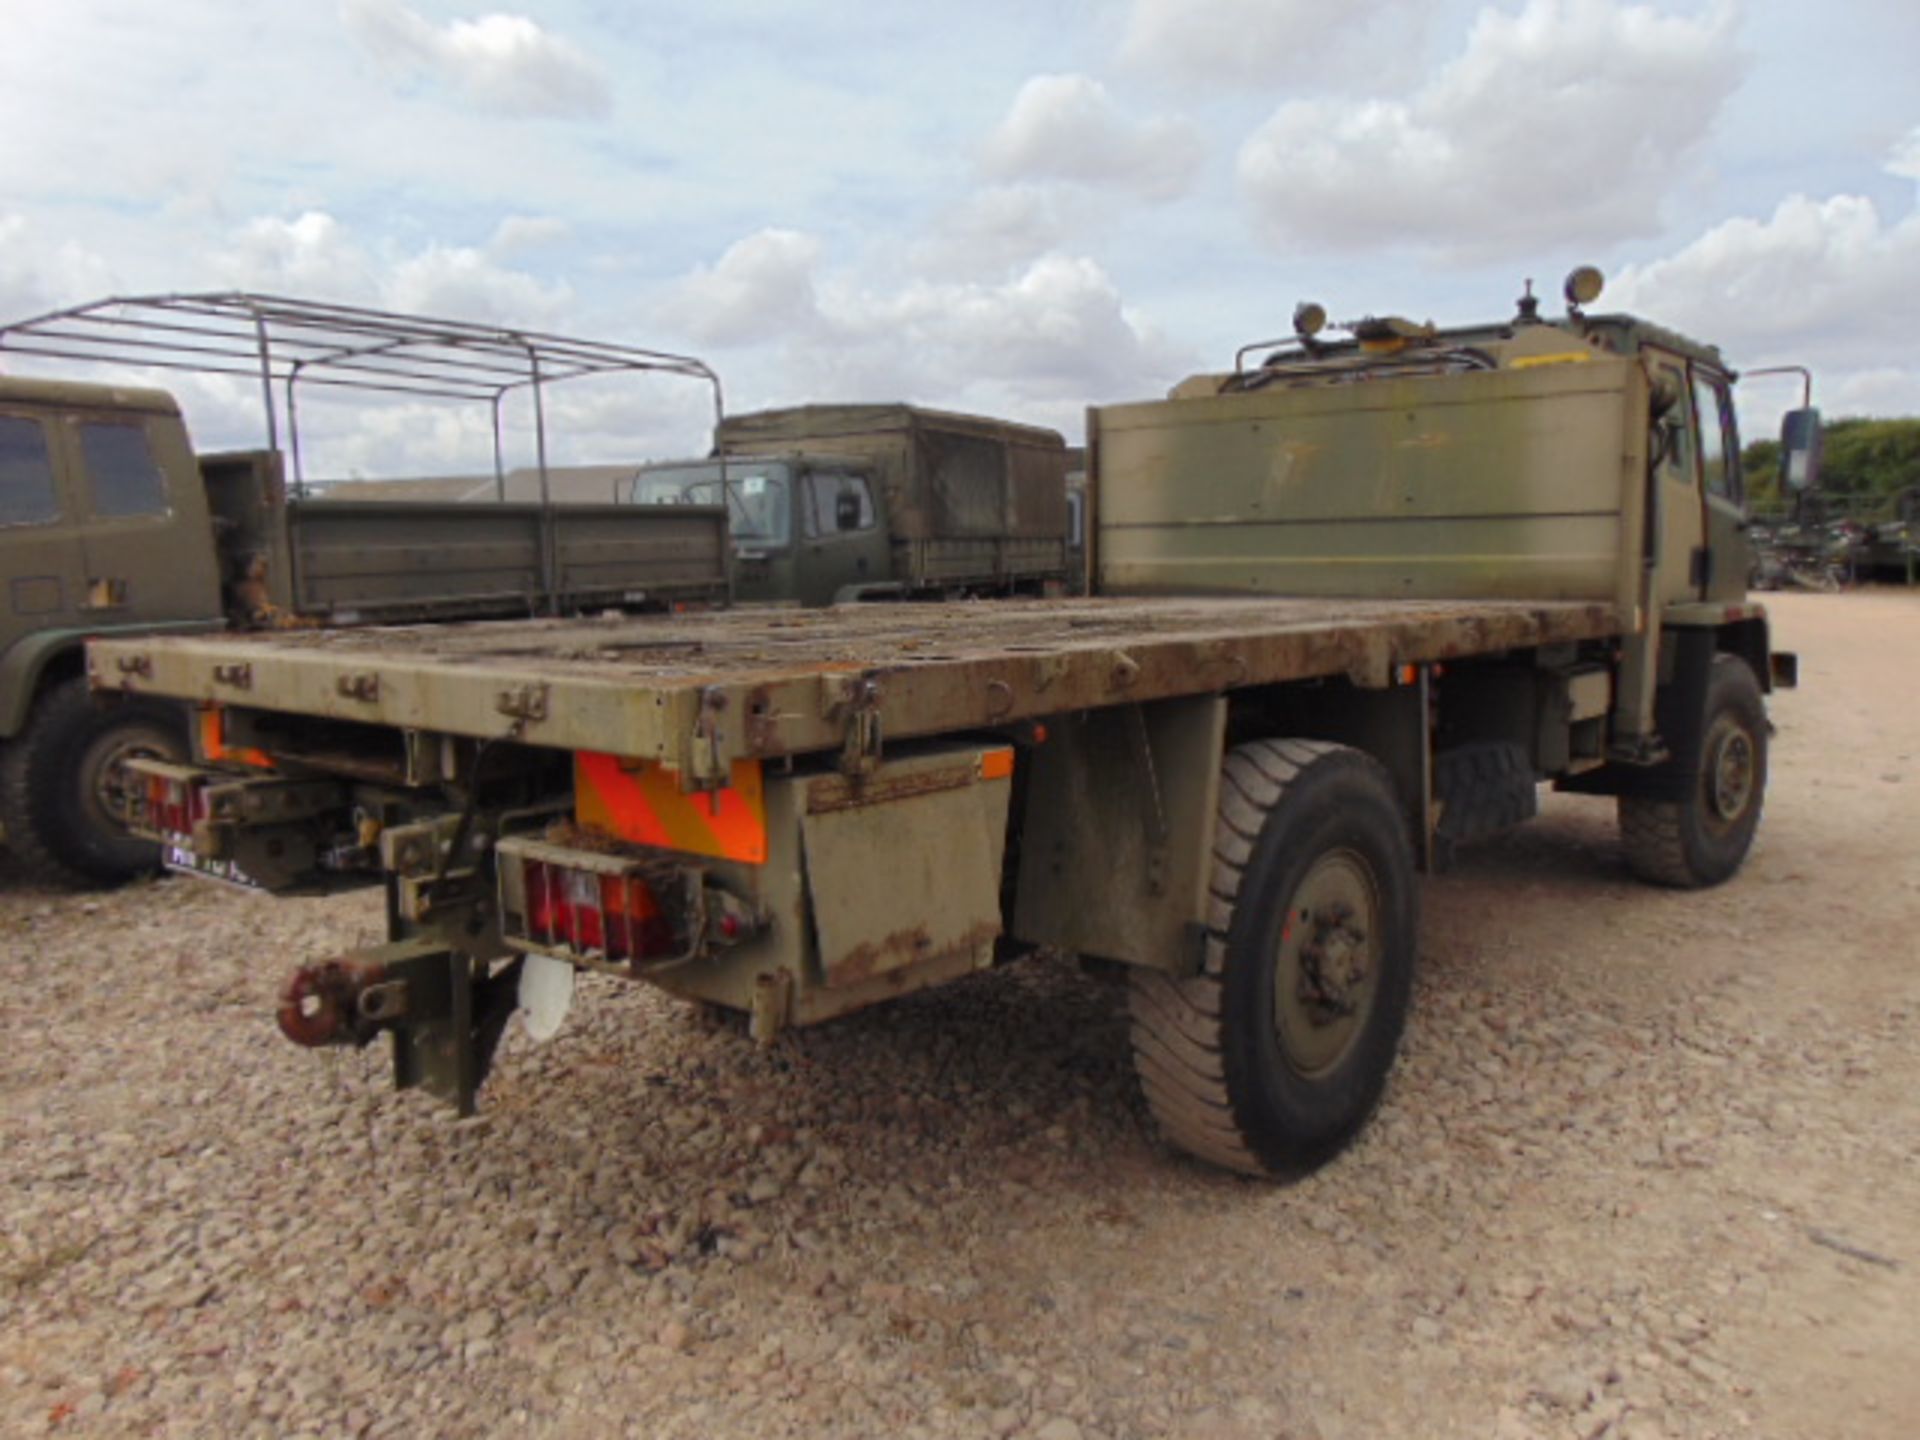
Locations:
(1648, 1168)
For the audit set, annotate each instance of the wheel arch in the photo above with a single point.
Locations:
(1750, 640)
(1388, 724)
(29, 665)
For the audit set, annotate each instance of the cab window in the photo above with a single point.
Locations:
(1676, 459)
(27, 496)
(1719, 456)
(125, 478)
(834, 504)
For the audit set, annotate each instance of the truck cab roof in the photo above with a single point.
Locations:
(1378, 346)
(770, 431)
(24, 390)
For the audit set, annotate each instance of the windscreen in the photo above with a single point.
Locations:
(758, 496)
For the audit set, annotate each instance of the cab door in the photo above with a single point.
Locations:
(1729, 554)
(1676, 482)
(39, 542)
(146, 539)
(841, 542)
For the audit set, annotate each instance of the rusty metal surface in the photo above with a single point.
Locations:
(698, 691)
(911, 875)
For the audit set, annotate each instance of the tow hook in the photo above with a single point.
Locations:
(327, 1003)
(348, 999)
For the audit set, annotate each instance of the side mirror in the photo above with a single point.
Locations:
(1800, 449)
(846, 510)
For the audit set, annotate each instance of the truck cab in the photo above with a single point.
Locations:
(809, 529)
(834, 503)
(1701, 512)
(98, 491)
(103, 531)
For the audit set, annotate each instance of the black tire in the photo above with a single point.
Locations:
(58, 795)
(1266, 1062)
(1704, 838)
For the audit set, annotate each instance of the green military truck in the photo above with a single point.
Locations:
(111, 524)
(1354, 602)
(838, 503)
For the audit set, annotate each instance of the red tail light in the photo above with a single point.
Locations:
(614, 916)
(173, 806)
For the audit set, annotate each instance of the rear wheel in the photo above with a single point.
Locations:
(1271, 1059)
(1704, 838)
(63, 794)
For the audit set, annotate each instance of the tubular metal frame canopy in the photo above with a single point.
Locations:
(288, 343)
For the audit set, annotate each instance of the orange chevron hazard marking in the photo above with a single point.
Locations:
(214, 747)
(643, 803)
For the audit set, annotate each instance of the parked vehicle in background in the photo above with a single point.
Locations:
(1891, 548)
(1353, 602)
(838, 503)
(111, 524)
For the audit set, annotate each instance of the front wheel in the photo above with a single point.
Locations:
(63, 793)
(1702, 839)
(1270, 1060)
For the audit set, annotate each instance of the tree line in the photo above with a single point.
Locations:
(1867, 463)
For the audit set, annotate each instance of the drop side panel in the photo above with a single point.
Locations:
(1495, 484)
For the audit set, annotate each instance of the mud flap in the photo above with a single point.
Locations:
(903, 866)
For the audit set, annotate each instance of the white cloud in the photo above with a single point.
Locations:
(311, 255)
(762, 286)
(1268, 44)
(35, 278)
(1824, 283)
(1039, 345)
(1059, 329)
(463, 284)
(1570, 120)
(518, 233)
(1823, 280)
(1067, 127)
(314, 256)
(501, 62)
(1905, 160)
(992, 229)
(1880, 392)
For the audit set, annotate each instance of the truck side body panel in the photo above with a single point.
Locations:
(369, 561)
(1507, 483)
(389, 560)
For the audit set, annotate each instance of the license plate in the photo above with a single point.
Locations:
(181, 860)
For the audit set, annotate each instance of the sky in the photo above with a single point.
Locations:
(1020, 208)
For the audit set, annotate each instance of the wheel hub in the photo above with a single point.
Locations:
(112, 791)
(1328, 962)
(1333, 961)
(1730, 773)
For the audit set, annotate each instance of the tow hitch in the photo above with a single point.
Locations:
(445, 1010)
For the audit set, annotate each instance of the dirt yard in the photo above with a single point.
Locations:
(1650, 1167)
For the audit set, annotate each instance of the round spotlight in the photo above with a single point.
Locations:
(1584, 285)
(1309, 319)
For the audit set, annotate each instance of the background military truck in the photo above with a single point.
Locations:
(834, 503)
(1354, 602)
(110, 524)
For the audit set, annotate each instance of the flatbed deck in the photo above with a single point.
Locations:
(698, 691)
